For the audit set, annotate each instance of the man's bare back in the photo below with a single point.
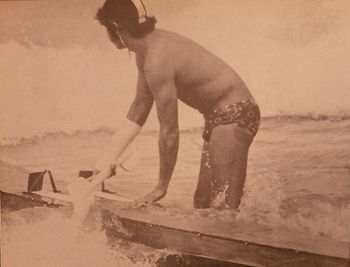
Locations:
(203, 81)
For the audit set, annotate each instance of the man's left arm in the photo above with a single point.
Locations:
(165, 96)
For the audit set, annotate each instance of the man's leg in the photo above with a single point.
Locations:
(202, 194)
(228, 155)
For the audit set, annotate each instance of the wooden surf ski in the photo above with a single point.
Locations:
(238, 244)
(217, 243)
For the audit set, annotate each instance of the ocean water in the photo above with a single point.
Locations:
(298, 178)
(47, 89)
(44, 237)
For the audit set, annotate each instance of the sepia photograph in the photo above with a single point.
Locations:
(187, 133)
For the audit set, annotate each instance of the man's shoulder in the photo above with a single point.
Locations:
(159, 60)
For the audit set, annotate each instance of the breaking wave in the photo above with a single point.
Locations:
(40, 236)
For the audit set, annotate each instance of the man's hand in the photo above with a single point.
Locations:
(157, 194)
(106, 163)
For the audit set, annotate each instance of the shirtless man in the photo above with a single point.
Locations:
(172, 67)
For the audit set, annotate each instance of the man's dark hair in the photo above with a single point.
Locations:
(123, 15)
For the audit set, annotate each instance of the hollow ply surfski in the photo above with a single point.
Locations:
(220, 242)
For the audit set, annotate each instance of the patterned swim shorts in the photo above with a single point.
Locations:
(244, 114)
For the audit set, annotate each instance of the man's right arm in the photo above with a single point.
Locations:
(143, 101)
(128, 128)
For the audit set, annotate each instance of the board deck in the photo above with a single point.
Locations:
(67, 198)
(232, 243)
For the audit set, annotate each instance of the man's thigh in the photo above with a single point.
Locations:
(228, 153)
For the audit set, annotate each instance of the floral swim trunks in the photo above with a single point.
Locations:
(244, 114)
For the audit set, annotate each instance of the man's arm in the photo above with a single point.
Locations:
(127, 130)
(143, 101)
(164, 91)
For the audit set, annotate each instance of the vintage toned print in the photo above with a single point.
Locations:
(186, 133)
